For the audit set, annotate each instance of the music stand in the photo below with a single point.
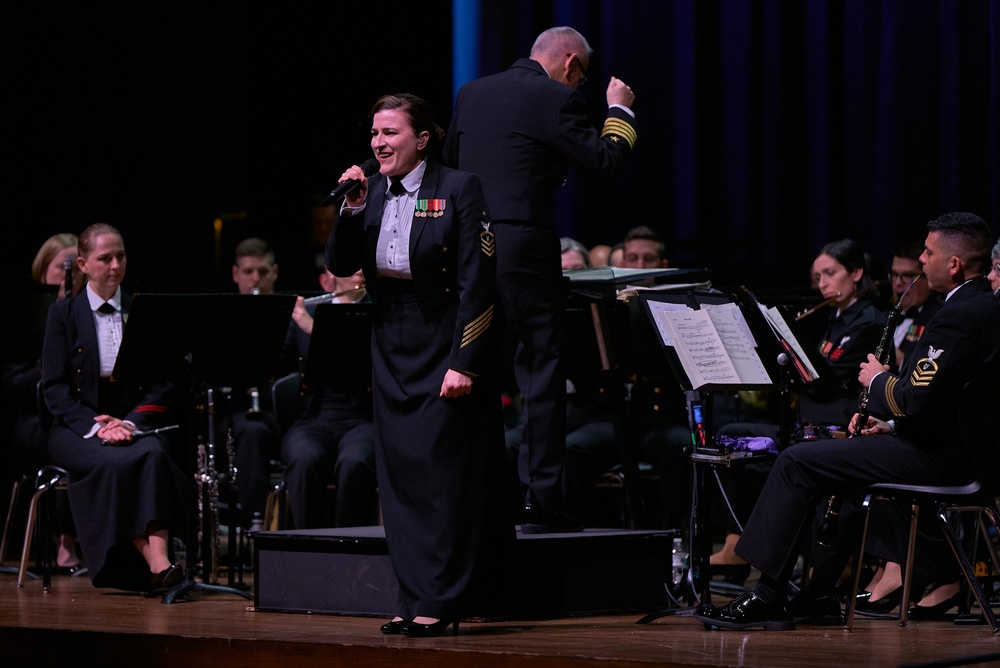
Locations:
(760, 369)
(203, 341)
(340, 353)
(605, 345)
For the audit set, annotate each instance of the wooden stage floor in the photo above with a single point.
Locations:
(77, 625)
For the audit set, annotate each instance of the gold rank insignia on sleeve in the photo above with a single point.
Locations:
(487, 241)
(925, 369)
(618, 130)
(477, 327)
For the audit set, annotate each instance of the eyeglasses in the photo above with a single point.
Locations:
(996, 269)
(906, 278)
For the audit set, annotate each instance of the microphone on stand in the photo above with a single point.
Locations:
(369, 167)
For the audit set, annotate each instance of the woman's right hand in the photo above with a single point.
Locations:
(356, 197)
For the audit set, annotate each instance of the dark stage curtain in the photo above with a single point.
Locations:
(768, 128)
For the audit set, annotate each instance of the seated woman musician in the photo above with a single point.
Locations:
(841, 273)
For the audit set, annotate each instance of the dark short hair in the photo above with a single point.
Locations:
(421, 115)
(254, 247)
(968, 236)
(648, 233)
(911, 249)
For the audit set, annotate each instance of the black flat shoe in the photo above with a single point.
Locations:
(735, 574)
(882, 605)
(744, 612)
(77, 570)
(433, 630)
(170, 576)
(394, 628)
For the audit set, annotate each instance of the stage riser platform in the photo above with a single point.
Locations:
(348, 572)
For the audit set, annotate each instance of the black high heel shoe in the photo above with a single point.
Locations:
(937, 611)
(394, 628)
(432, 630)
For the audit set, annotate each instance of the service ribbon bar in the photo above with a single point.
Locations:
(429, 208)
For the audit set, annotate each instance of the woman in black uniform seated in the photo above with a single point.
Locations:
(125, 491)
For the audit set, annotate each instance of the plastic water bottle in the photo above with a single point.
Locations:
(256, 525)
(679, 561)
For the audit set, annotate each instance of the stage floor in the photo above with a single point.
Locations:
(76, 624)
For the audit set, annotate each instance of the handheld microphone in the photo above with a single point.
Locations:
(369, 167)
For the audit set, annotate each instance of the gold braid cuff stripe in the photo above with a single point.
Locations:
(476, 328)
(889, 399)
(618, 130)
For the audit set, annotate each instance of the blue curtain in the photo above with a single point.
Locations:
(767, 127)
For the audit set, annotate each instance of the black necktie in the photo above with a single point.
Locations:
(396, 187)
(106, 308)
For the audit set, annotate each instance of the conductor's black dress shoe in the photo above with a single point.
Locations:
(746, 611)
(542, 520)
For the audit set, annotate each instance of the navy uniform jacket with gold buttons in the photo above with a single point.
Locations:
(71, 371)
(452, 258)
(961, 340)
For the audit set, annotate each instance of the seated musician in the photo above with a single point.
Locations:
(920, 446)
(841, 272)
(334, 441)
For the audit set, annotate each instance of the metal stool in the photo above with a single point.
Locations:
(49, 477)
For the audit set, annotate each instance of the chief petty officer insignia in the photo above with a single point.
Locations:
(924, 372)
(429, 208)
(486, 239)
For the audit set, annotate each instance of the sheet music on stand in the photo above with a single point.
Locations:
(811, 367)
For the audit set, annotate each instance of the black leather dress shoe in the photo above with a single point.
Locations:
(746, 611)
(816, 611)
(541, 520)
(171, 576)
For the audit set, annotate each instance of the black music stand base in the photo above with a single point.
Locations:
(189, 584)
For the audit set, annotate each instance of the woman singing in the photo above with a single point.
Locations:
(423, 236)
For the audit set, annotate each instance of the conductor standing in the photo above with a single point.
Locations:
(519, 131)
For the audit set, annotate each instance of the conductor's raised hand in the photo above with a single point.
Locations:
(356, 197)
(620, 93)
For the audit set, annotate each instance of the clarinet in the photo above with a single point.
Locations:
(828, 530)
(882, 355)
